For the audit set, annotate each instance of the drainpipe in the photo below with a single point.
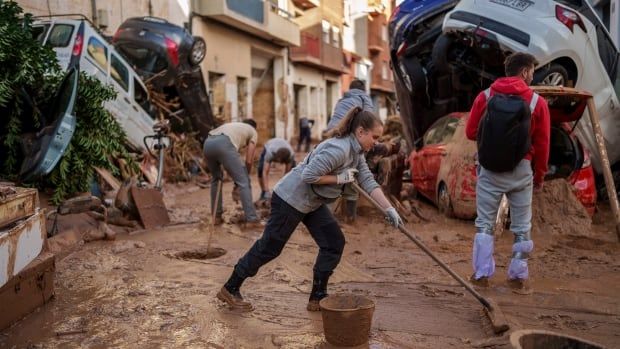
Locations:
(192, 14)
(93, 6)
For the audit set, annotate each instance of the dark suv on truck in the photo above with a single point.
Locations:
(168, 58)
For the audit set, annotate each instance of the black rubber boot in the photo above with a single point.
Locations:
(350, 211)
(319, 291)
(231, 295)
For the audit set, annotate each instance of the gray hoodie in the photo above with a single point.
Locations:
(331, 157)
(352, 98)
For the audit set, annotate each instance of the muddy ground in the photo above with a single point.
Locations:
(135, 292)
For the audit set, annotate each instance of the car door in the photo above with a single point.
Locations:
(145, 113)
(425, 167)
(438, 151)
(125, 112)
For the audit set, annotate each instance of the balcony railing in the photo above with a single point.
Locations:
(375, 34)
(315, 52)
(379, 80)
(309, 50)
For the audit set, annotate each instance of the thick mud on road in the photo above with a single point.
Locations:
(145, 290)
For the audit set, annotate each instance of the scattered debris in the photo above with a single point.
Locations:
(150, 205)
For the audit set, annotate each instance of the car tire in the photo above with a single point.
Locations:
(198, 51)
(412, 76)
(551, 75)
(443, 201)
(439, 56)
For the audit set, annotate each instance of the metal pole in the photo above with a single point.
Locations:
(602, 150)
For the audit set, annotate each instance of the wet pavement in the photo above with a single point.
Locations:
(155, 289)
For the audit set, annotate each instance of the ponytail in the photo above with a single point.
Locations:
(356, 117)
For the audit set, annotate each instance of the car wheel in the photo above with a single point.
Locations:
(551, 75)
(198, 51)
(413, 76)
(443, 201)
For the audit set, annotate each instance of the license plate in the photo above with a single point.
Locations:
(520, 5)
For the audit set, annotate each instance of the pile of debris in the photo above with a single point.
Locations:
(556, 210)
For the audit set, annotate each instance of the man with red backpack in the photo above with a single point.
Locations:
(511, 125)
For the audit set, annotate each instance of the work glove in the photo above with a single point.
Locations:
(392, 217)
(265, 195)
(346, 176)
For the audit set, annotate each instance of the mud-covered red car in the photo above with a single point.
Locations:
(444, 169)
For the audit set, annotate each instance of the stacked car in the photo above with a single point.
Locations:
(168, 57)
(444, 52)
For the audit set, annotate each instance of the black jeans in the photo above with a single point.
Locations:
(283, 220)
(304, 137)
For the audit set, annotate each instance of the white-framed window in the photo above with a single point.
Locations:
(384, 33)
(335, 36)
(325, 25)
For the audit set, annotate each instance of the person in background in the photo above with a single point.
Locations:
(355, 97)
(301, 197)
(222, 148)
(305, 125)
(510, 166)
(275, 150)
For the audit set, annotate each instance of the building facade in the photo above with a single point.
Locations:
(108, 15)
(317, 64)
(367, 53)
(247, 60)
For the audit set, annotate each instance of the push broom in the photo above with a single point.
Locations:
(491, 309)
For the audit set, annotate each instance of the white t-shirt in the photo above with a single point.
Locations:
(240, 134)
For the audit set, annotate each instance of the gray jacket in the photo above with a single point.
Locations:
(331, 157)
(352, 98)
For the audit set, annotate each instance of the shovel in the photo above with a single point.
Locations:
(491, 309)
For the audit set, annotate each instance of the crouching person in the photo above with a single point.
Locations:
(275, 150)
(512, 127)
(301, 197)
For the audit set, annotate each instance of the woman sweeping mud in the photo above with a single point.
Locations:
(302, 195)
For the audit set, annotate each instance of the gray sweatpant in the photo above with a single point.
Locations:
(490, 186)
(219, 151)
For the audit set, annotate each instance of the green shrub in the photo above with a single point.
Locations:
(29, 77)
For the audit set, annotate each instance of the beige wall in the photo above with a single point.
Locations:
(315, 82)
(117, 10)
(233, 53)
